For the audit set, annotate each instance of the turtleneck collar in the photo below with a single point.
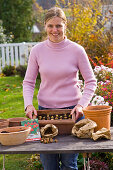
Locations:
(59, 45)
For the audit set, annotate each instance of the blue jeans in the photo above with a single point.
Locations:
(59, 161)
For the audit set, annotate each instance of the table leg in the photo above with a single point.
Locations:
(88, 162)
(3, 162)
(84, 156)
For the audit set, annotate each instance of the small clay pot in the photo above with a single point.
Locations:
(14, 135)
(4, 123)
(16, 121)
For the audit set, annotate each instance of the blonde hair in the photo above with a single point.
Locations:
(55, 12)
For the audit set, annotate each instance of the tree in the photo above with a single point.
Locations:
(17, 17)
(3, 37)
(86, 27)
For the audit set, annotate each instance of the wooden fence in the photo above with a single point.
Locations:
(14, 54)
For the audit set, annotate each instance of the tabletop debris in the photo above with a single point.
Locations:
(85, 129)
(48, 132)
(102, 133)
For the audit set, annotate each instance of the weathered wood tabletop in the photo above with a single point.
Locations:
(66, 144)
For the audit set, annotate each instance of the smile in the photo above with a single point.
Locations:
(55, 34)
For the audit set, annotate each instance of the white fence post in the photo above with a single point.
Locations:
(22, 53)
(7, 56)
(3, 58)
(14, 54)
(0, 66)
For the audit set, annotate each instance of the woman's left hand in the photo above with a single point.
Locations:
(77, 110)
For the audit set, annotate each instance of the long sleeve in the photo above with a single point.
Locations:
(30, 79)
(58, 64)
(89, 78)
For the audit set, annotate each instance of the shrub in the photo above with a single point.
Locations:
(80, 161)
(21, 70)
(97, 164)
(35, 163)
(9, 70)
(2, 75)
(103, 73)
(86, 26)
(104, 89)
(99, 47)
(104, 77)
(3, 37)
(99, 100)
(105, 157)
(104, 92)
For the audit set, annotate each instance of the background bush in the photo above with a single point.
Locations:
(3, 37)
(21, 70)
(86, 27)
(105, 157)
(9, 70)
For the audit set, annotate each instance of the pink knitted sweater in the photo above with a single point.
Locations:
(58, 64)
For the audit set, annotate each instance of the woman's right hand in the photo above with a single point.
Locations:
(30, 111)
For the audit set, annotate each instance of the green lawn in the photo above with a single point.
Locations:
(15, 162)
(11, 97)
(12, 105)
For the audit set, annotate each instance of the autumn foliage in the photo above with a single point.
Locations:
(86, 27)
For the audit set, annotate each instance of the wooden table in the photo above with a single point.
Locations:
(66, 144)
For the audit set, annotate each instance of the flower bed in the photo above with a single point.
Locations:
(104, 92)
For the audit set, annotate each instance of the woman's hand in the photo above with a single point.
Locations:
(30, 110)
(77, 110)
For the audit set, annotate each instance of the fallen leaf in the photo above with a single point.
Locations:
(18, 87)
(2, 111)
(7, 85)
(3, 103)
(7, 90)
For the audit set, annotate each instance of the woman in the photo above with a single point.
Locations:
(58, 60)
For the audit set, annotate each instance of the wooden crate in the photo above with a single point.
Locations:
(58, 117)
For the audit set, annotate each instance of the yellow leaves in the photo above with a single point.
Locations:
(91, 36)
(2, 111)
(7, 90)
(2, 75)
(63, 1)
(58, 2)
(97, 58)
(8, 87)
(14, 85)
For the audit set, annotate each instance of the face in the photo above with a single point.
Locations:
(55, 28)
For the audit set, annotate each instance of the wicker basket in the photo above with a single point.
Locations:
(4, 123)
(16, 121)
(14, 135)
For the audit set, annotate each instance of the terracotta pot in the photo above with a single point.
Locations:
(4, 123)
(16, 121)
(100, 114)
(14, 135)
